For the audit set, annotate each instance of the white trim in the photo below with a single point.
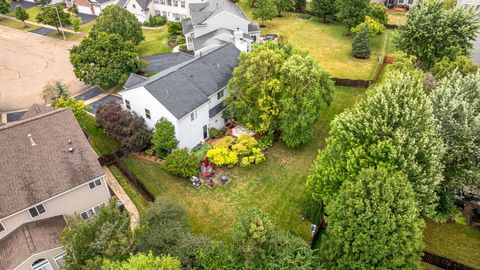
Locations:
(59, 256)
(18, 266)
(209, 18)
(106, 187)
(51, 198)
(4, 228)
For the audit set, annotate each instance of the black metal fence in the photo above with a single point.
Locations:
(443, 262)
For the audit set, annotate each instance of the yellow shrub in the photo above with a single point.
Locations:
(222, 157)
(244, 145)
(226, 142)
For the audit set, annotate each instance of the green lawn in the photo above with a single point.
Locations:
(397, 18)
(85, 28)
(132, 193)
(33, 12)
(68, 36)
(12, 23)
(454, 241)
(276, 186)
(100, 142)
(155, 42)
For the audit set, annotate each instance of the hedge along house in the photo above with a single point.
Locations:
(190, 95)
(48, 171)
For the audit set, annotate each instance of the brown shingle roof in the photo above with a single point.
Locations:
(32, 174)
(35, 110)
(29, 239)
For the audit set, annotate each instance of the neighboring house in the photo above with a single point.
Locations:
(172, 10)
(48, 171)
(190, 95)
(217, 22)
(474, 4)
(90, 7)
(399, 3)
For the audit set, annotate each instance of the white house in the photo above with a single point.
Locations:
(217, 22)
(173, 10)
(90, 7)
(475, 4)
(48, 171)
(190, 95)
(409, 3)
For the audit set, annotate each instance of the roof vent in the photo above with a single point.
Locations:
(218, 5)
(70, 149)
(31, 139)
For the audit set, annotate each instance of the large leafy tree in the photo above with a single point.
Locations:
(54, 15)
(352, 12)
(433, 32)
(104, 59)
(287, 101)
(456, 101)
(323, 8)
(106, 235)
(164, 231)
(163, 137)
(264, 10)
(394, 126)
(143, 262)
(21, 14)
(284, 5)
(4, 7)
(373, 223)
(379, 12)
(120, 21)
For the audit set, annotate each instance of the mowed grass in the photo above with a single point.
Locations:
(68, 36)
(101, 143)
(277, 186)
(397, 18)
(156, 42)
(457, 242)
(12, 23)
(140, 203)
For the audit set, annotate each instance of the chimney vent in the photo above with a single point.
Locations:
(31, 139)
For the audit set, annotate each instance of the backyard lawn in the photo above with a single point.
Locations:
(276, 186)
(397, 18)
(100, 142)
(155, 42)
(140, 203)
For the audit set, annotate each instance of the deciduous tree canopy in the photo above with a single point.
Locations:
(352, 12)
(54, 15)
(117, 20)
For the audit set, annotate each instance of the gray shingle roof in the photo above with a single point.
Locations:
(209, 38)
(134, 79)
(253, 27)
(31, 174)
(143, 4)
(122, 3)
(183, 88)
(187, 26)
(29, 239)
(202, 11)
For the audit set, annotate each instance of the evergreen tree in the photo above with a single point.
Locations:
(264, 10)
(393, 126)
(21, 14)
(163, 137)
(284, 5)
(361, 44)
(373, 223)
(352, 12)
(53, 91)
(323, 8)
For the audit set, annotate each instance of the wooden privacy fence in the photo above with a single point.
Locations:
(443, 262)
(115, 159)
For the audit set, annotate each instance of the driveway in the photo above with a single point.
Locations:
(103, 101)
(42, 31)
(24, 4)
(86, 18)
(163, 61)
(27, 63)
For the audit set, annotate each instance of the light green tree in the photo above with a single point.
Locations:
(432, 32)
(181, 163)
(393, 126)
(373, 223)
(264, 10)
(163, 137)
(352, 12)
(4, 7)
(21, 14)
(76, 22)
(117, 20)
(78, 107)
(104, 59)
(143, 262)
(462, 63)
(54, 15)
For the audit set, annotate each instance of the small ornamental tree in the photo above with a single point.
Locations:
(374, 27)
(54, 15)
(284, 5)
(181, 163)
(123, 125)
(76, 22)
(323, 8)
(373, 223)
(53, 91)
(264, 10)
(4, 7)
(352, 12)
(21, 14)
(379, 13)
(104, 59)
(163, 137)
(78, 107)
(143, 262)
(462, 63)
(117, 20)
(361, 44)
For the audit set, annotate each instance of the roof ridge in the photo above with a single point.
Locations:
(21, 122)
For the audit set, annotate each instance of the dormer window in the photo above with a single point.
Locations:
(220, 94)
(95, 184)
(37, 210)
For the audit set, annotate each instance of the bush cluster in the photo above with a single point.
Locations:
(216, 133)
(181, 163)
(155, 21)
(374, 27)
(228, 150)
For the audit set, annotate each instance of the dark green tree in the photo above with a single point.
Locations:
(120, 21)
(432, 32)
(50, 15)
(361, 44)
(373, 223)
(163, 137)
(21, 14)
(352, 12)
(300, 4)
(323, 8)
(4, 7)
(264, 10)
(462, 63)
(106, 235)
(104, 59)
(393, 126)
(181, 163)
(284, 5)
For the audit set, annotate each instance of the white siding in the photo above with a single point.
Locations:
(222, 20)
(190, 133)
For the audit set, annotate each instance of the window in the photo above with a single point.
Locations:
(157, 12)
(164, 14)
(2, 228)
(162, 2)
(59, 260)
(147, 114)
(41, 264)
(220, 94)
(182, 4)
(37, 210)
(90, 212)
(133, 5)
(169, 2)
(192, 116)
(95, 184)
(176, 16)
(127, 104)
(410, 2)
(156, 1)
(175, 3)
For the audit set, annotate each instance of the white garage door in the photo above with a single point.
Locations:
(84, 10)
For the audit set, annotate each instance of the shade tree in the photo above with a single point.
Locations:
(4, 7)
(54, 15)
(21, 14)
(264, 10)
(117, 20)
(323, 8)
(352, 12)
